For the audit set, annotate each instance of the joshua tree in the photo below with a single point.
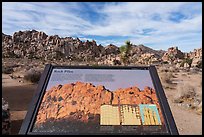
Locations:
(125, 52)
(128, 46)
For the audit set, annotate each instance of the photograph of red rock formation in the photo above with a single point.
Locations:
(75, 107)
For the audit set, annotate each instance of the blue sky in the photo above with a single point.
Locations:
(156, 25)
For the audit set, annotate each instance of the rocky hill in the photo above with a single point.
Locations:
(38, 45)
(35, 44)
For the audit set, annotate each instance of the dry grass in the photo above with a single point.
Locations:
(167, 80)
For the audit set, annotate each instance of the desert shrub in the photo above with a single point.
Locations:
(165, 62)
(186, 60)
(32, 75)
(7, 70)
(95, 65)
(199, 65)
(163, 69)
(184, 92)
(188, 94)
(166, 77)
(168, 69)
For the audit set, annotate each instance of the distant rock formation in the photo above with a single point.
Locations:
(141, 49)
(196, 53)
(196, 57)
(149, 58)
(38, 45)
(34, 44)
(81, 101)
(173, 54)
(112, 49)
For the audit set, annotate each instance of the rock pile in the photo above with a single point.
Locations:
(149, 58)
(173, 54)
(133, 95)
(196, 55)
(81, 101)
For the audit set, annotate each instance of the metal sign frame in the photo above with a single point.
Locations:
(27, 125)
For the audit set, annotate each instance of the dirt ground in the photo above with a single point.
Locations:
(19, 96)
(187, 120)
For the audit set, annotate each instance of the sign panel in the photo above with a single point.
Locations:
(102, 100)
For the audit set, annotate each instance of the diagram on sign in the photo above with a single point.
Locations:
(144, 114)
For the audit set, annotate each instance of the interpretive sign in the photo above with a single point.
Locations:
(99, 100)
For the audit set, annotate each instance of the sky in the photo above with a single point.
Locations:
(156, 25)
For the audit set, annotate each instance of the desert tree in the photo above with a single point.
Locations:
(125, 52)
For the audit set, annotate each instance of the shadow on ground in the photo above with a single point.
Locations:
(18, 98)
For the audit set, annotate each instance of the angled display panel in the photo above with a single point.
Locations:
(99, 100)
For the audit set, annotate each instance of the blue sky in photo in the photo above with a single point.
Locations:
(158, 25)
(120, 78)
